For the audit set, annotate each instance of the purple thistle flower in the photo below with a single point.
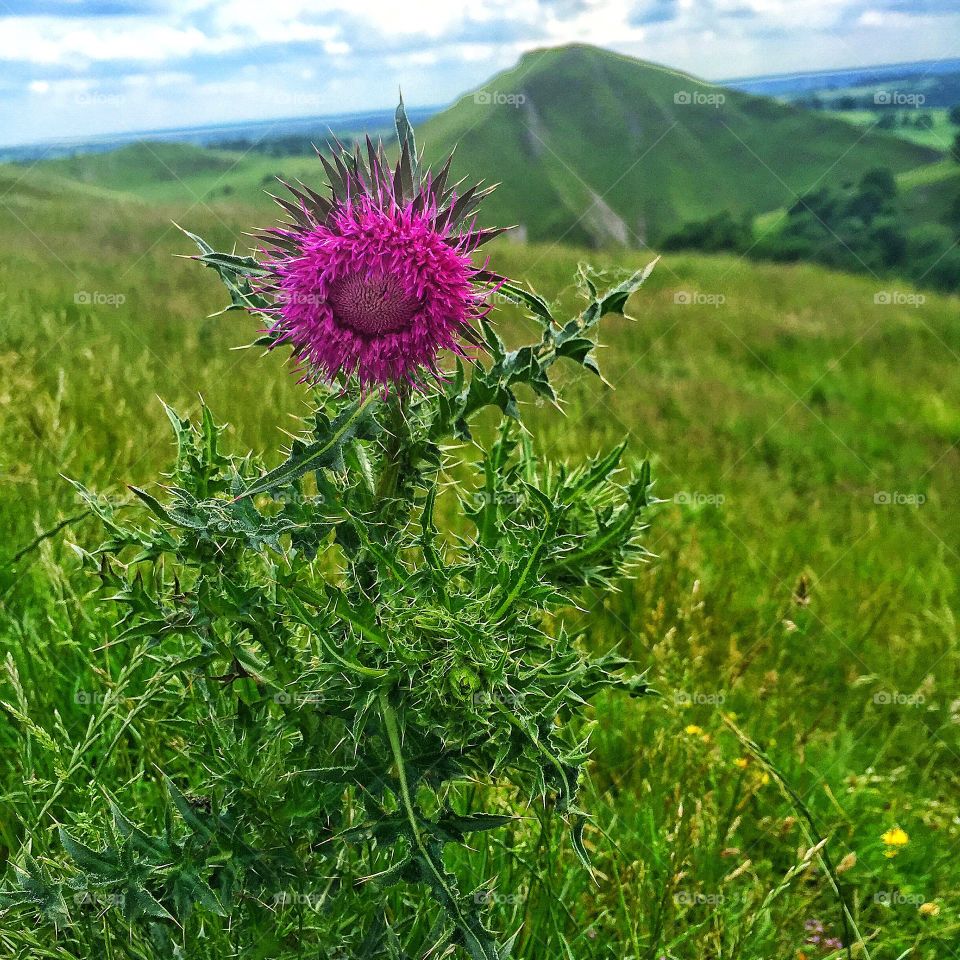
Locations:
(378, 279)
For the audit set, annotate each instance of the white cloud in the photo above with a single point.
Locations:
(199, 61)
(600, 21)
(50, 40)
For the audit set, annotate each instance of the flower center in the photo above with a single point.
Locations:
(372, 305)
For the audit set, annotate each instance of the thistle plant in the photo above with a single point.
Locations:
(360, 650)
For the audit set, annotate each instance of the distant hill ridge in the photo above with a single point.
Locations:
(598, 148)
(590, 148)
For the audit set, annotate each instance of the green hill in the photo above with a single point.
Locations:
(134, 166)
(182, 173)
(925, 194)
(598, 148)
(590, 148)
(22, 186)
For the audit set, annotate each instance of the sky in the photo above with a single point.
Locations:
(79, 68)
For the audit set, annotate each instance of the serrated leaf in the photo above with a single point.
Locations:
(535, 303)
(324, 452)
(104, 864)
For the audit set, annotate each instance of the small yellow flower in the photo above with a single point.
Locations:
(693, 730)
(895, 837)
(741, 763)
(929, 909)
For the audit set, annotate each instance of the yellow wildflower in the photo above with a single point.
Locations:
(896, 837)
(693, 730)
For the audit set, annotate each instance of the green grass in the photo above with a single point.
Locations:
(928, 193)
(783, 591)
(925, 195)
(938, 137)
(182, 174)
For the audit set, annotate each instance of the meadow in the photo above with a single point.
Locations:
(803, 427)
(938, 132)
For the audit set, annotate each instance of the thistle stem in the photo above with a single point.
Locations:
(392, 459)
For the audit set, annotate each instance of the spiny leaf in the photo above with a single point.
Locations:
(325, 452)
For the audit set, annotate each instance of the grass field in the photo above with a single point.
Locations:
(804, 432)
(939, 136)
(925, 194)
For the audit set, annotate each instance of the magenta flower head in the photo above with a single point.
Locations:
(376, 279)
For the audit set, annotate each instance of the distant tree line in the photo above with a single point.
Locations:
(287, 145)
(937, 91)
(858, 228)
(890, 120)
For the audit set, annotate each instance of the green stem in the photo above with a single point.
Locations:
(474, 946)
(393, 735)
(386, 488)
(392, 459)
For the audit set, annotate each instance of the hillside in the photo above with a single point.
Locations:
(590, 148)
(935, 130)
(181, 173)
(925, 194)
(135, 166)
(599, 148)
(22, 186)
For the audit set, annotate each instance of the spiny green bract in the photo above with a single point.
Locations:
(341, 667)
